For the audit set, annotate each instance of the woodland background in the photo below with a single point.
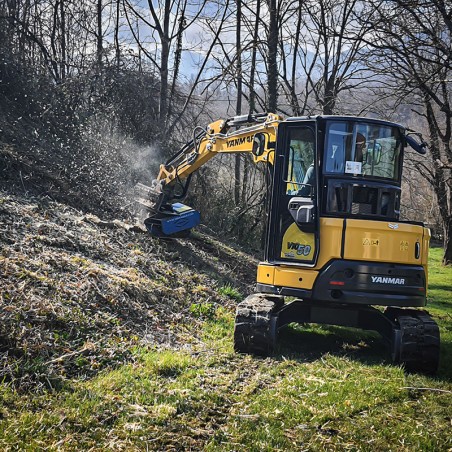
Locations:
(94, 94)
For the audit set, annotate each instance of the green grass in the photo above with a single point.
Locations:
(231, 292)
(326, 389)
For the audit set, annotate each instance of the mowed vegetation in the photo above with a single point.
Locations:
(326, 388)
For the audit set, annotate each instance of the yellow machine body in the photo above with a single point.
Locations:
(357, 240)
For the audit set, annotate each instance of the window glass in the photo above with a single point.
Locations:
(300, 176)
(360, 149)
(337, 145)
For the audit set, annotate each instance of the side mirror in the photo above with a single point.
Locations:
(302, 211)
(420, 148)
(258, 144)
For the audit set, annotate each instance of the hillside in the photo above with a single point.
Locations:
(78, 292)
(113, 340)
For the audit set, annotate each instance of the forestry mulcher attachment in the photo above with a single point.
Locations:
(334, 242)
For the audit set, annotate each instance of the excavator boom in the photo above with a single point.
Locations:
(254, 134)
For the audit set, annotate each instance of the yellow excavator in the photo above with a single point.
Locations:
(335, 245)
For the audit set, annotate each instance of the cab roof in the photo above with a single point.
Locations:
(344, 118)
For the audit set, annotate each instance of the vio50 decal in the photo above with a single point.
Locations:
(302, 250)
(386, 280)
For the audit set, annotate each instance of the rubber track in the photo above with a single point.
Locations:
(420, 342)
(253, 324)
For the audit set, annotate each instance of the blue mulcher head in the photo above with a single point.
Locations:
(175, 220)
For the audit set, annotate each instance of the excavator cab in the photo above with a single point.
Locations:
(331, 168)
(335, 209)
(336, 243)
(293, 232)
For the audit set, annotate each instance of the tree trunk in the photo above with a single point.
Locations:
(99, 52)
(117, 47)
(252, 98)
(238, 47)
(11, 11)
(447, 258)
(293, 79)
(164, 67)
(246, 171)
(22, 36)
(177, 60)
(272, 64)
(163, 104)
(53, 42)
(329, 98)
(440, 182)
(63, 40)
(239, 57)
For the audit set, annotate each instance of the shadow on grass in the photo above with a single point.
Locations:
(311, 343)
(445, 363)
(434, 303)
(446, 287)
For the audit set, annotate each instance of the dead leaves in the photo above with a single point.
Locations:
(69, 279)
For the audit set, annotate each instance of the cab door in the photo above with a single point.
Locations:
(293, 231)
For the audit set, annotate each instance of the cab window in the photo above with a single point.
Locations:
(361, 149)
(300, 174)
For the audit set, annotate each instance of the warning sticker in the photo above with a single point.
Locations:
(403, 245)
(353, 167)
(370, 242)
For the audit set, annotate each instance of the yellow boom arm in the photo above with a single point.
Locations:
(258, 139)
(255, 134)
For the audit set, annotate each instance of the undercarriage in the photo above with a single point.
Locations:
(411, 335)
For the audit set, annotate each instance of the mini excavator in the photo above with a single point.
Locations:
(336, 251)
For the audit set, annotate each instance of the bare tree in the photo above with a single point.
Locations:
(412, 48)
(272, 56)
(167, 23)
(333, 50)
(238, 49)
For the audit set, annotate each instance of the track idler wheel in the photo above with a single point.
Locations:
(255, 328)
(416, 341)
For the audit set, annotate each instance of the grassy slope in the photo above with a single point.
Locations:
(327, 388)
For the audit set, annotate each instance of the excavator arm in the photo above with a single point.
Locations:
(255, 134)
